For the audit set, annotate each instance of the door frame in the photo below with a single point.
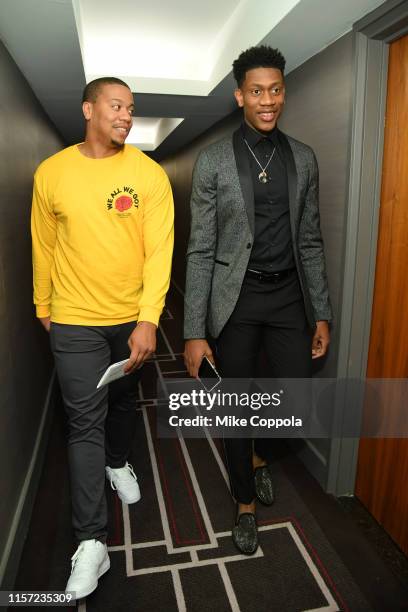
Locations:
(371, 37)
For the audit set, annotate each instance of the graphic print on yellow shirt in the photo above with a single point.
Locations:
(102, 238)
(122, 201)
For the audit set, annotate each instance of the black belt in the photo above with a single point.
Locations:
(269, 277)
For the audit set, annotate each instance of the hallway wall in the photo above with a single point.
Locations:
(318, 112)
(26, 138)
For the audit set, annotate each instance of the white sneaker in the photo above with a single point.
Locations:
(124, 481)
(89, 562)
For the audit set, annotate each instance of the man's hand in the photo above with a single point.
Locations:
(142, 343)
(194, 352)
(321, 339)
(45, 322)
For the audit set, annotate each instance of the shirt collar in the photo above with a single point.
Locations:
(253, 137)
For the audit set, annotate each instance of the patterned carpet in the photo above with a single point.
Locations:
(172, 551)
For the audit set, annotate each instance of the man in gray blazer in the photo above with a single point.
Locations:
(255, 264)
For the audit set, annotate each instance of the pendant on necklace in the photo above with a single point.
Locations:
(263, 177)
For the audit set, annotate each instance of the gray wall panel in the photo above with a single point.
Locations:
(26, 138)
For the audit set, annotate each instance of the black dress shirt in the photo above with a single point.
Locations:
(272, 249)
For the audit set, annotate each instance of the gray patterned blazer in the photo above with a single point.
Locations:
(222, 233)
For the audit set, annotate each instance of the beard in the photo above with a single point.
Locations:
(116, 144)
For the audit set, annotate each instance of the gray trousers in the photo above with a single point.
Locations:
(101, 422)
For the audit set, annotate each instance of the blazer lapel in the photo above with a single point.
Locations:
(292, 180)
(244, 173)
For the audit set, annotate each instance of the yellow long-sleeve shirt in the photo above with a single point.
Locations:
(102, 232)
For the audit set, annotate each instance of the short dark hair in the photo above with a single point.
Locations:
(257, 57)
(91, 91)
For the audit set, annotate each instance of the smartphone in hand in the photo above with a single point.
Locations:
(208, 375)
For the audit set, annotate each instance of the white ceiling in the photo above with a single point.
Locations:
(170, 48)
(148, 133)
(143, 45)
(175, 55)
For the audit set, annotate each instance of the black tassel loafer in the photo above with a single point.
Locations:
(264, 485)
(245, 533)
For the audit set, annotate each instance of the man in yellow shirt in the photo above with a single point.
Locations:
(102, 230)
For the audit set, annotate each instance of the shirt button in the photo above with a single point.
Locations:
(249, 245)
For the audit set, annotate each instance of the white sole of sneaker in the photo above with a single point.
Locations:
(130, 500)
(105, 565)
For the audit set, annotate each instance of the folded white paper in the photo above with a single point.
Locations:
(114, 372)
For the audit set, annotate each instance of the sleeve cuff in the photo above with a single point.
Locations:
(42, 311)
(150, 314)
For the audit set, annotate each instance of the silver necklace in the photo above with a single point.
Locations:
(262, 176)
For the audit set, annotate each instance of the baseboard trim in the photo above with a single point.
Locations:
(11, 555)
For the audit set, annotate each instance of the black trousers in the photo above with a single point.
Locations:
(271, 316)
(101, 421)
